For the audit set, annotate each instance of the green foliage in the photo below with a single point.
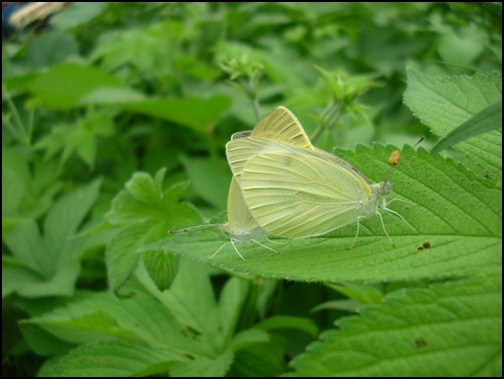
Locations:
(30, 192)
(79, 137)
(488, 119)
(184, 330)
(48, 264)
(453, 209)
(143, 213)
(447, 103)
(409, 334)
(115, 121)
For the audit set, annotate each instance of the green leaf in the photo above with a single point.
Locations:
(26, 193)
(139, 49)
(282, 67)
(14, 192)
(102, 316)
(192, 301)
(109, 358)
(162, 267)
(111, 95)
(64, 85)
(49, 49)
(68, 213)
(196, 113)
(289, 322)
(79, 137)
(461, 46)
(181, 322)
(210, 178)
(457, 212)
(42, 342)
(247, 338)
(76, 14)
(231, 302)
(364, 294)
(452, 329)
(121, 255)
(447, 102)
(144, 213)
(204, 368)
(488, 119)
(85, 328)
(261, 360)
(48, 264)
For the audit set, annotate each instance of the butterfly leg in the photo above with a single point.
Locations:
(266, 247)
(356, 234)
(220, 248)
(385, 229)
(399, 215)
(235, 249)
(400, 200)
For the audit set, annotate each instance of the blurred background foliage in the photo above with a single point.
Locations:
(102, 90)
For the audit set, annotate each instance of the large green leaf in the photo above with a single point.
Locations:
(183, 330)
(210, 178)
(488, 119)
(457, 214)
(76, 14)
(63, 85)
(451, 329)
(446, 103)
(143, 213)
(200, 114)
(48, 264)
(119, 358)
(26, 193)
(79, 137)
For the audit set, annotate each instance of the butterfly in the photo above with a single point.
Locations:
(299, 191)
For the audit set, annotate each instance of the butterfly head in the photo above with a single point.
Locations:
(386, 188)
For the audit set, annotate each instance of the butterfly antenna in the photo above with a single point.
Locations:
(193, 228)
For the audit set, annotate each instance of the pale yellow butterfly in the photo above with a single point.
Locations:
(296, 192)
(280, 125)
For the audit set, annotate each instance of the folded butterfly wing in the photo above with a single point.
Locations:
(294, 192)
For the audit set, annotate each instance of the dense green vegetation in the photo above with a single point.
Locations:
(115, 119)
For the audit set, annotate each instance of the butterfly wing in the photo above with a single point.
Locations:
(279, 125)
(283, 126)
(294, 192)
(241, 225)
